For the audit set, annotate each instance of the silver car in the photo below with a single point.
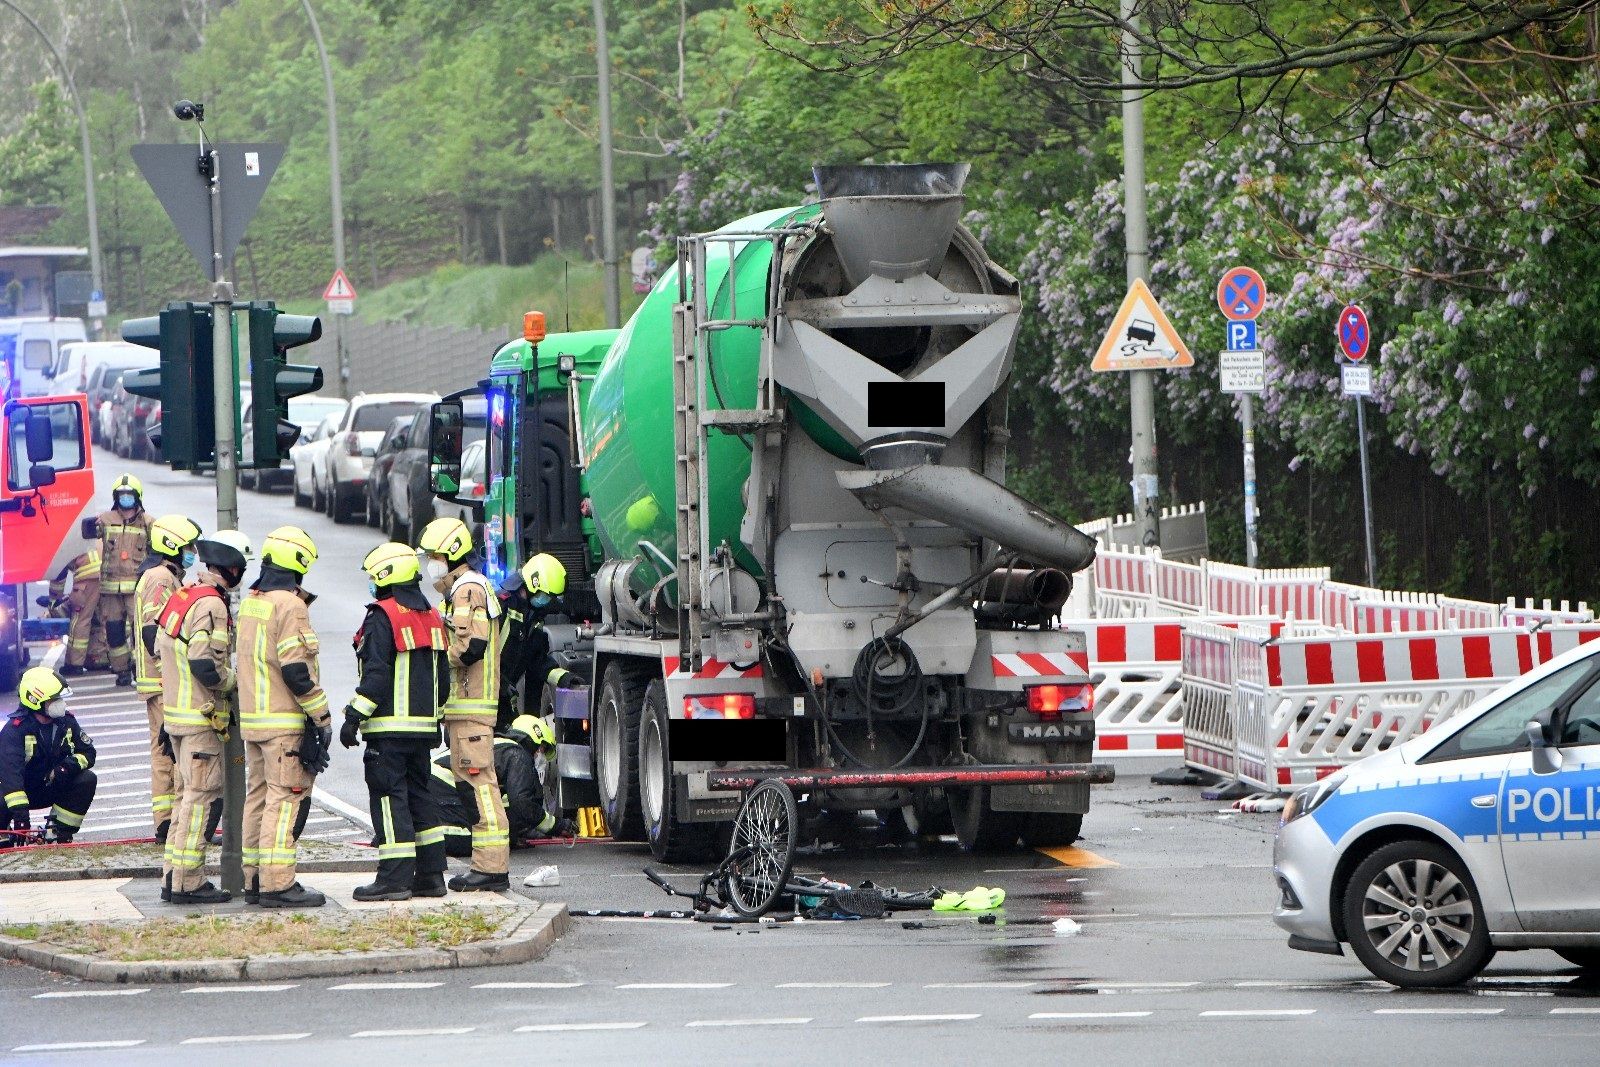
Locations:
(347, 463)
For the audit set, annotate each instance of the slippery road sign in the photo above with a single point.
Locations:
(1141, 336)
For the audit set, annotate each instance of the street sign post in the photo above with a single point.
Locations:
(1241, 294)
(1355, 338)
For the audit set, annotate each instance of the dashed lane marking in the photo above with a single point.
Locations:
(241, 1039)
(1437, 1011)
(551, 1028)
(356, 815)
(676, 985)
(1255, 1013)
(952, 1017)
(748, 1022)
(367, 986)
(980, 985)
(434, 1031)
(61, 993)
(1575, 1011)
(74, 1046)
(527, 985)
(1071, 1015)
(1136, 985)
(1073, 856)
(832, 985)
(243, 988)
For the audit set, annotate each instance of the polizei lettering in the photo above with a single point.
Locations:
(1549, 805)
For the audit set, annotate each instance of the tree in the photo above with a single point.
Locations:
(37, 161)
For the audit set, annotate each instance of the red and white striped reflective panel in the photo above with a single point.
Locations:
(1140, 742)
(1133, 641)
(1038, 664)
(1343, 661)
(711, 668)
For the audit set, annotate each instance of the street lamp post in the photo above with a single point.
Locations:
(335, 191)
(608, 193)
(88, 153)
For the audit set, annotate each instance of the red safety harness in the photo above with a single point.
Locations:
(412, 629)
(179, 603)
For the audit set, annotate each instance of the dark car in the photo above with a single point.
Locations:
(102, 380)
(394, 439)
(129, 417)
(410, 503)
(305, 412)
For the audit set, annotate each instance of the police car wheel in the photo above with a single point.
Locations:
(1413, 917)
(1587, 959)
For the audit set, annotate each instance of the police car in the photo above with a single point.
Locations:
(1481, 834)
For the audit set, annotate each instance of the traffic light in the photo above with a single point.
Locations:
(183, 382)
(274, 381)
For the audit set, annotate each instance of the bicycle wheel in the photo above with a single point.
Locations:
(764, 833)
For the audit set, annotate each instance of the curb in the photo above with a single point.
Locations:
(521, 939)
(352, 866)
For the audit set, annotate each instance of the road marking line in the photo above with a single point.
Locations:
(1437, 1011)
(122, 796)
(1031, 870)
(324, 818)
(676, 985)
(1220, 914)
(749, 1022)
(90, 993)
(1575, 1011)
(980, 985)
(68, 1046)
(243, 988)
(832, 985)
(387, 985)
(123, 730)
(1136, 985)
(954, 1017)
(1073, 856)
(1246, 1013)
(436, 1031)
(122, 807)
(241, 1039)
(356, 815)
(102, 827)
(98, 748)
(527, 985)
(548, 1028)
(1090, 1015)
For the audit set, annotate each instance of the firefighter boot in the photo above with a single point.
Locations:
(124, 678)
(296, 896)
(428, 885)
(206, 894)
(252, 892)
(478, 881)
(380, 891)
(166, 888)
(161, 832)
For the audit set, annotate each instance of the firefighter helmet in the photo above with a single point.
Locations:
(391, 563)
(291, 548)
(530, 731)
(171, 534)
(39, 686)
(130, 483)
(545, 574)
(447, 537)
(226, 548)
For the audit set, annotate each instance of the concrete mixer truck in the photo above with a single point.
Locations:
(779, 493)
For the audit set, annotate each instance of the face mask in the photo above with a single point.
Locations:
(539, 600)
(437, 568)
(188, 558)
(56, 708)
(126, 501)
(372, 587)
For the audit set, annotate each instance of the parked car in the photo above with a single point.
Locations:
(103, 378)
(305, 412)
(410, 489)
(129, 418)
(304, 459)
(472, 488)
(343, 470)
(78, 359)
(394, 439)
(1476, 836)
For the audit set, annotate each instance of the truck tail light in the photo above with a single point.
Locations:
(720, 706)
(1049, 701)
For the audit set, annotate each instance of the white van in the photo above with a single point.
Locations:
(29, 349)
(78, 359)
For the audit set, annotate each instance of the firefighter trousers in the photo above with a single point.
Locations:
(86, 636)
(115, 611)
(276, 804)
(472, 762)
(407, 826)
(163, 793)
(198, 765)
(68, 800)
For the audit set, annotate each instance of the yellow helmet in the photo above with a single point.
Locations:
(291, 548)
(171, 534)
(535, 730)
(129, 482)
(391, 563)
(39, 686)
(545, 574)
(446, 537)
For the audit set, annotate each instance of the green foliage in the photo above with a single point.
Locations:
(37, 161)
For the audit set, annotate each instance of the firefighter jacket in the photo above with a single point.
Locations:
(160, 578)
(520, 789)
(34, 749)
(525, 646)
(85, 572)
(404, 676)
(196, 649)
(124, 542)
(473, 613)
(279, 687)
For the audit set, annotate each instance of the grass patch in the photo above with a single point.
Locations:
(231, 937)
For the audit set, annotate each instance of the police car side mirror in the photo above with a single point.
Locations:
(1546, 758)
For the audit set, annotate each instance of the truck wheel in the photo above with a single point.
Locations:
(391, 522)
(1413, 916)
(616, 749)
(1051, 829)
(301, 500)
(671, 840)
(978, 826)
(317, 503)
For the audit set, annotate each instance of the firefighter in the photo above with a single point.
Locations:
(195, 645)
(404, 678)
(172, 553)
(527, 597)
(45, 757)
(124, 533)
(472, 612)
(86, 635)
(517, 756)
(284, 715)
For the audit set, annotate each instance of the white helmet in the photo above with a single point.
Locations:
(226, 548)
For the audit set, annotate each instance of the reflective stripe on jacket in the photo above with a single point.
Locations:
(123, 546)
(156, 585)
(275, 632)
(205, 632)
(404, 677)
(475, 686)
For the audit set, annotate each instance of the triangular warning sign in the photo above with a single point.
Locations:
(1141, 336)
(339, 288)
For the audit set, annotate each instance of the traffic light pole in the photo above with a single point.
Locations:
(224, 392)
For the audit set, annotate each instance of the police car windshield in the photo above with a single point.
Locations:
(1501, 729)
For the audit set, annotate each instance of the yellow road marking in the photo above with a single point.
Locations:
(1073, 856)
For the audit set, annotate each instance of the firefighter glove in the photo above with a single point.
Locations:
(67, 768)
(350, 732)
(20, 817)
(564, 828)
(164, 739)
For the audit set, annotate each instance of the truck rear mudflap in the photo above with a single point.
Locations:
(734, 780)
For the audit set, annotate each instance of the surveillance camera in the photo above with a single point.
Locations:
(188, 109)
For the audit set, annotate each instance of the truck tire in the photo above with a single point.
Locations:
(978, 826)
(671, 840)
(616, 748)
(1051, 829)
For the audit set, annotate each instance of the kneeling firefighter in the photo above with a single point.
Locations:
(527, 597)
(400, 654)
(45, 758)
(517, 755)
(284, 715)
